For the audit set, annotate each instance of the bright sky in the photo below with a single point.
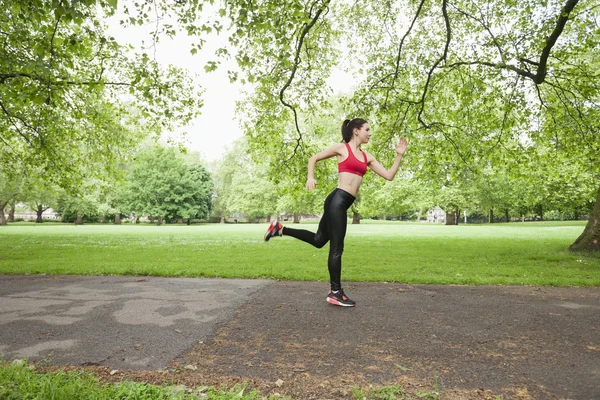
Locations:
(217, 127)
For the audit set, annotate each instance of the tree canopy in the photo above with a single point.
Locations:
(473, 84)
(73, 100)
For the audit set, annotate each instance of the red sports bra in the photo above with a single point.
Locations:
(352, 164)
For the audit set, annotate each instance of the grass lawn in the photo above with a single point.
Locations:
(516, 253)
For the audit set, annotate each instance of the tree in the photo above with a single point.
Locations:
(76, 207)
(203, 197)
(11, 186)
(470, 82)
(162, 185)
(70, 95)
(40, 195)
(242, 187)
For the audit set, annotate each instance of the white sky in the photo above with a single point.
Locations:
(217, 127)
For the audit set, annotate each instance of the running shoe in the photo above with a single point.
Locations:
(274, 230)
(339, 299)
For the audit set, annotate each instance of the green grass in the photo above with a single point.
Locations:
(516, 253)
(19, 381)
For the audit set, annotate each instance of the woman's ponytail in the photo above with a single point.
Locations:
(348, 127)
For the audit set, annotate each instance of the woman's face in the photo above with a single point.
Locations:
(363, 133)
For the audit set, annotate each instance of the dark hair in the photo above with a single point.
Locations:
(348, 127)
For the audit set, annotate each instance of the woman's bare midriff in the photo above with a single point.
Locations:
(349, 182)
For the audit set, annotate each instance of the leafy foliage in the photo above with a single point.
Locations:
(72, 98)
(473, 84)
(161, 184)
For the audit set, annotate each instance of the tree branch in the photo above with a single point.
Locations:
(486, 27)
(560, 25)
(442, 58)
(519, 71)
(303, 34)
(542, 66)
(5, 77)
(396, 70)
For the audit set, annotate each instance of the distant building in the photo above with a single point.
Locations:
(32, 216)
(436, 215)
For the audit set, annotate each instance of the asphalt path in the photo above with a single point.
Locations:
(541, 341)
(123, 322)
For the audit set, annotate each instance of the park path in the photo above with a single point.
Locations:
(466, 342)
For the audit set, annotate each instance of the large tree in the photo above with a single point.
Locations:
(10, 189)
(470, 82)
(71, 95)
(162, 185)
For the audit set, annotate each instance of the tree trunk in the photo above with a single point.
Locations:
(180, 221)
(506, 216)
(355, 218)
(11, 213)
(452, 218)
(39, 213)
(297, 218)
(118, 219)
(151, 220)
(2, 216)
(79, 220)
(419, 214)
(539, 209)
(491, 216)
(590, 238)
(160, 219)
(449, 219)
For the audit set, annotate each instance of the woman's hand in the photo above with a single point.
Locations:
(310, 184)
(401, 147)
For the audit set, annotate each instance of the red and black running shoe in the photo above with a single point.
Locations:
(274, 230)
(338, 298)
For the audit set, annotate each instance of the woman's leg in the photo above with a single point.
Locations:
(336, 225)
(321, 237)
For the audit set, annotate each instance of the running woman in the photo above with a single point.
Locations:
(352, 166)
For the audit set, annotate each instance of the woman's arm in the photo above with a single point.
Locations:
(391, 173)
(312, 162)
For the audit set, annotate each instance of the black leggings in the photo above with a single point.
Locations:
(332, 228)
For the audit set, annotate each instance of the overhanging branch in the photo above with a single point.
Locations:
(303, 34)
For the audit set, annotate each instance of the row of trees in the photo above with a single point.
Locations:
(160, 183)
(247, 187)
(163, 184)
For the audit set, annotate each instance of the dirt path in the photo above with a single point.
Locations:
(466, 342)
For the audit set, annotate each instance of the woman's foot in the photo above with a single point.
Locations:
(275, 229)
(338, 298)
